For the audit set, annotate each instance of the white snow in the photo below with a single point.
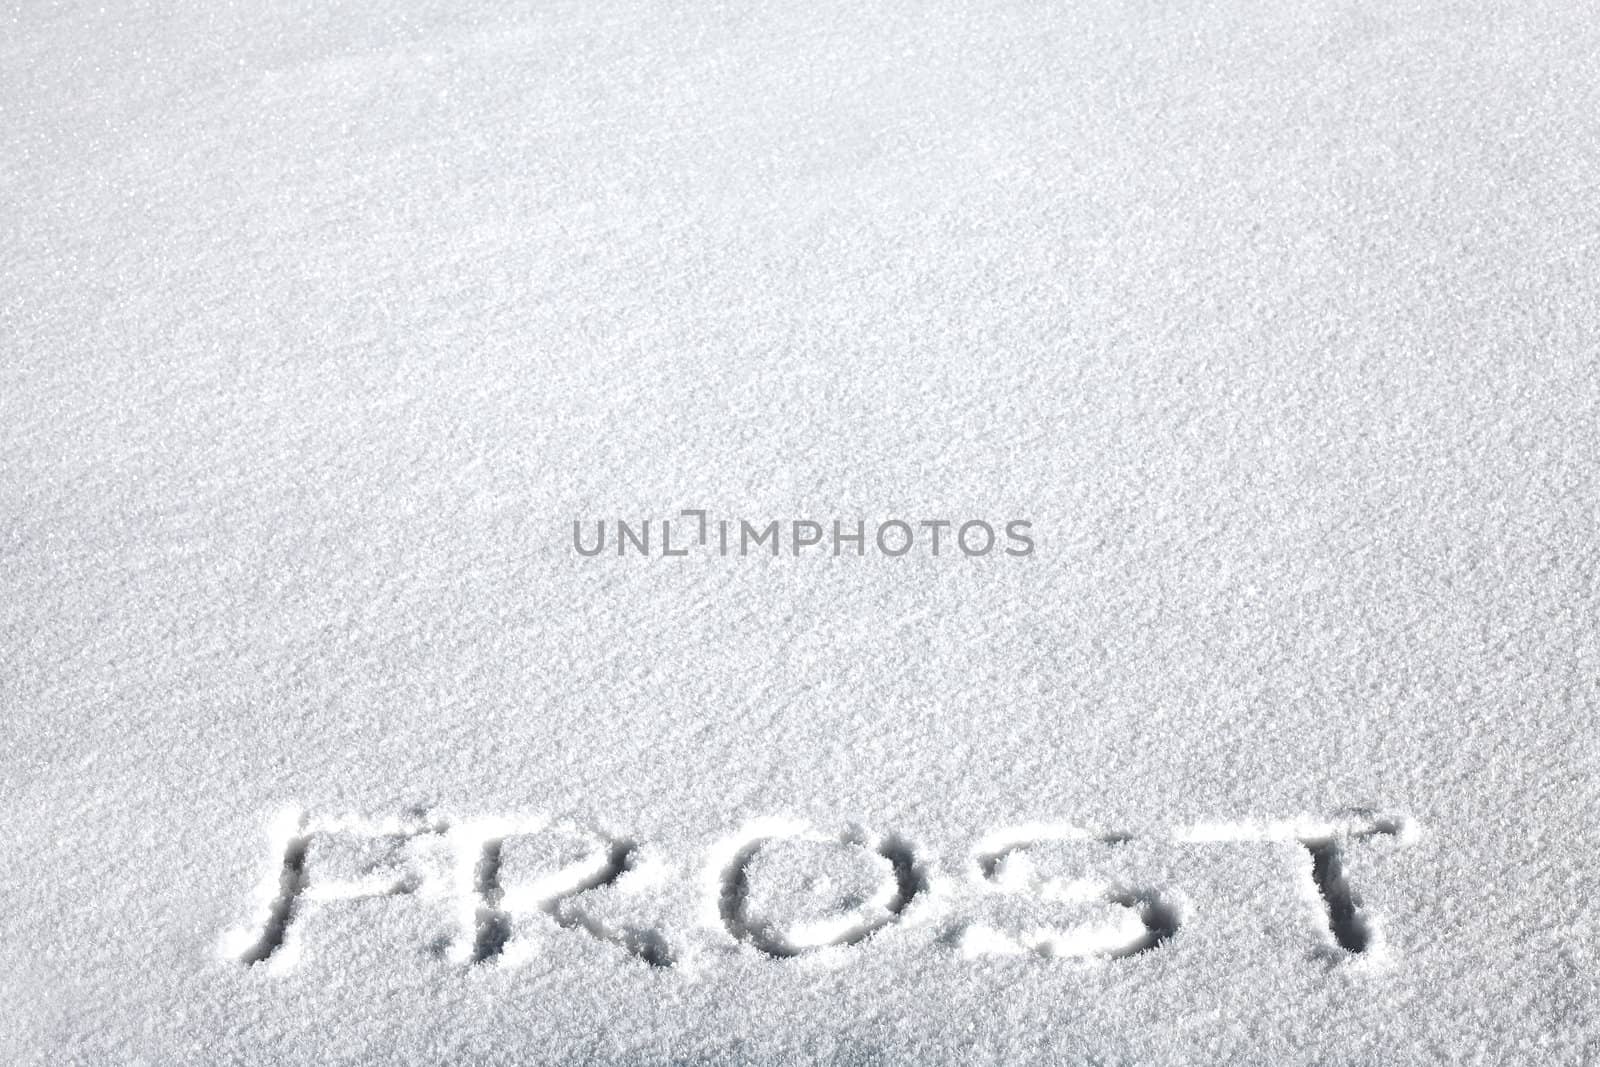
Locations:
(321, 323)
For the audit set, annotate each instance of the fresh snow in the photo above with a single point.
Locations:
(322, 323)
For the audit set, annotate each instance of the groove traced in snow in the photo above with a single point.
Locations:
(505, 873)
(1148, 921)
(491, 908)
(293, 836)
(905, 882)
(1351, 929)
(280, 909)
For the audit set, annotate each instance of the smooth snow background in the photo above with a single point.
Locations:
(321, 322)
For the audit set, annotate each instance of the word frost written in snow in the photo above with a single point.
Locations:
(779, 887)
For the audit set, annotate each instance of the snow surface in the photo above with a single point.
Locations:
(321, 322)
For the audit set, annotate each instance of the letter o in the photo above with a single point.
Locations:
(988, 533)
(910, 537)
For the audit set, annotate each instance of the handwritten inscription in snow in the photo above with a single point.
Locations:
(495, 891)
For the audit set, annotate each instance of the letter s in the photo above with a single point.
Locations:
(1014, 531)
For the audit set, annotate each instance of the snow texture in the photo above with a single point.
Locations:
(321, 323)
